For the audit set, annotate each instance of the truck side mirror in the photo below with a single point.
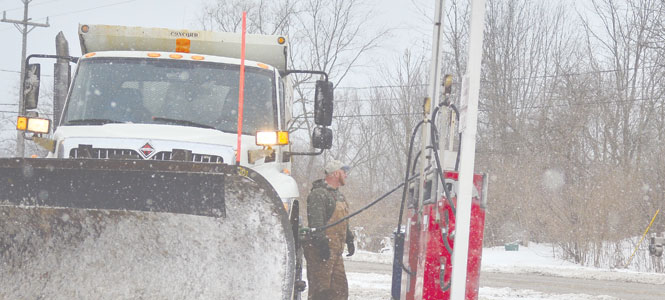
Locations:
(322, 138)
(31, 86)
(323, 103)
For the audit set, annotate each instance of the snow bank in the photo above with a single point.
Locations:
(535, 259)
(539, 259)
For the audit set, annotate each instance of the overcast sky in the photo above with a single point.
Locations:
(65, 15)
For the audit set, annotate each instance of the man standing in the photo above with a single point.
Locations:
(326, 205)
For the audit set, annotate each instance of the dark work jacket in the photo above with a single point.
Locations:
(320, 206)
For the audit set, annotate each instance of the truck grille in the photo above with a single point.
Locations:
(101, 153)
(204, 158)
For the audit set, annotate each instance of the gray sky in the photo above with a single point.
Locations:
(65, 15)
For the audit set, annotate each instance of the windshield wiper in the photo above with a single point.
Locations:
(91, 122)
(181, 122)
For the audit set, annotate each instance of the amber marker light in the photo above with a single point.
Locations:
(197, 57)
(282, 137)
(22, 123)
(91, 54)
(182, 45)
(85, 28)
(175, 56)
(264, 66)
(281, 40)
(152, 54)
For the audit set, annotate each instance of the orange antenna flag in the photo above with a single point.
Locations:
(241, 87)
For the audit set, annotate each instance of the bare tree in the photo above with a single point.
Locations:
(527, 44)
(264, 17)
(391, 110)
(7, 142)
(624, 134)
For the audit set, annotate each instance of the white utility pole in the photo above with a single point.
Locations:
(468, 126)
(20, 146)
(426, 153)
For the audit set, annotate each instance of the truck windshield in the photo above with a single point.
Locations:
(175, 92)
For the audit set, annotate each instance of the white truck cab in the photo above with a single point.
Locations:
(162, 94)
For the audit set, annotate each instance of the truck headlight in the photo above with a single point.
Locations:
(271, 138)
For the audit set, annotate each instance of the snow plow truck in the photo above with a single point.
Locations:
(149, 189)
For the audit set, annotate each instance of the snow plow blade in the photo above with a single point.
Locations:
(122, 229)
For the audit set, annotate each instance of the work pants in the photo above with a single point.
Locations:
(327, 278)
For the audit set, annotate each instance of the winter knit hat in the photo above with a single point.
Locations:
(335, 165)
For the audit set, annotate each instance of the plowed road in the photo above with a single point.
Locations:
(544, 284)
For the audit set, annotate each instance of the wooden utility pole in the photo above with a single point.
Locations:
(24, 30)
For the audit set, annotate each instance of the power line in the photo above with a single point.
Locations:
(10, 71)
(19, 72)
(500, 80)
(376, 115)
(577, 73)
(79, 11)
(380, 87)
(370, 115)
(593, 103)
(578, 104)
(536, 106)
(36, 4)
(16, 112)
(88, 9)
(370, 99)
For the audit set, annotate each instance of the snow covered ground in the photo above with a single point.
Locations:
(536, 259)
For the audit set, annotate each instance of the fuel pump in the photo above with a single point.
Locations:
(440, 255)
